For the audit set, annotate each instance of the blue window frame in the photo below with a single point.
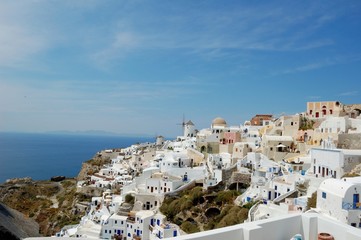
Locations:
(324, 195)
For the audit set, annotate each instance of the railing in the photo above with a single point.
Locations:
(350, 206)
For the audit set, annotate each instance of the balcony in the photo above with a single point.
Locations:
(351, 206)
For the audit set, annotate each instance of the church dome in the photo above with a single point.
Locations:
(219, 122)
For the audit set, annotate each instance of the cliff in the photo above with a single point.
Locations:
(51, 205)
(14, 225)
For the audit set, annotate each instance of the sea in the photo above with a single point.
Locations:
(42, 155)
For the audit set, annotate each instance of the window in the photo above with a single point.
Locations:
(116, 222)
(105, 231)
(276, 187)
(324, 195)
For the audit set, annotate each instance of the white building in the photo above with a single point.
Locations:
(189, 129)
(160, 228)
(333, 163)
(162, 183)
(340, 200)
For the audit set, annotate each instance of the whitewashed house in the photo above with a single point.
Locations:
(160, 228)
(160, 183)
(332, 162)
(340, 199)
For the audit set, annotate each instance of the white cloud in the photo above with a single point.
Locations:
(210, 32)
(350, 93)
(17, 44)
(314, 97)
(322, 63)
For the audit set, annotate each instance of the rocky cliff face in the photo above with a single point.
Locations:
(93, 165)
(14, 225)
(51, 205)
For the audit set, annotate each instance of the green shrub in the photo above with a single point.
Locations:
(189, 227)
(226, 196)
(129, 198)
(311, 203)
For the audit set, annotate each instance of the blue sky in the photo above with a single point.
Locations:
(138, 66)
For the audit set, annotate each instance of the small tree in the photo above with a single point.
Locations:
(312, 201)
(129, 198)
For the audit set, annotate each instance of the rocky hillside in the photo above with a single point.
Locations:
(94, 165)
(196, 210)
(52, 204)
(14, 225)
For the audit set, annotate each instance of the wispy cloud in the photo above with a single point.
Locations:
(19, 40)
(322, 63)
(212, 32)
(314, 97)
(350, 93)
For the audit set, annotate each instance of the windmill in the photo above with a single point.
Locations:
(183, 124)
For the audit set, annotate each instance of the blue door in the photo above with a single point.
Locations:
(151, 221)
(356, 199)
(118, 232)
(138, 233)
(158, 222)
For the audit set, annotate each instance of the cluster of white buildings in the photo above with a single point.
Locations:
(286, 160)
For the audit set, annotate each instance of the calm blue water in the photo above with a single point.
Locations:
(41, 156)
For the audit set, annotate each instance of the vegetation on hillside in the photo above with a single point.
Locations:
(195, 210)
(312, 201)
(306, 123)
(51, 204)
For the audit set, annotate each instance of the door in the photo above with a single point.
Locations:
(356, 200)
